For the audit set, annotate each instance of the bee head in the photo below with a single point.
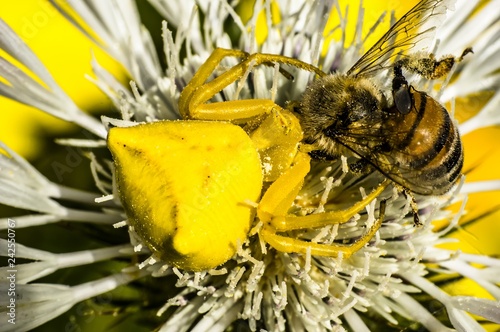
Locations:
(337, 102)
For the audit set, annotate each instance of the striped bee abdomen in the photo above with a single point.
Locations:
(427, 148)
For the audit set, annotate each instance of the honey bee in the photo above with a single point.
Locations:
(406, 134)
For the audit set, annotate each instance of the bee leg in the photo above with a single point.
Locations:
(414, 207)
(361, 167)
(425, 65)
(321, 155)
(428, 66)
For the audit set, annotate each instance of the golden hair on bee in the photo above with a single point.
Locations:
(334, 105)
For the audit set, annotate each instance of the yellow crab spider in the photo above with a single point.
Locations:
(185, 185)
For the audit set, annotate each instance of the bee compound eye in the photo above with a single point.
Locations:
(402, 99)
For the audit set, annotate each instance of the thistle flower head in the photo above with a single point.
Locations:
(382, 284)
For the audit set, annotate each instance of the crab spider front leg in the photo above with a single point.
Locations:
(192, 102)
(278, 199)
(291, 245)
(278, 134)
(202, 75)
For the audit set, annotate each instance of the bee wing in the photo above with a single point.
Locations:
(416, 27)
(385, 161)
(402, 174)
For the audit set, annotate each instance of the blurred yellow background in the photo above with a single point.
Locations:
(67, 55)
